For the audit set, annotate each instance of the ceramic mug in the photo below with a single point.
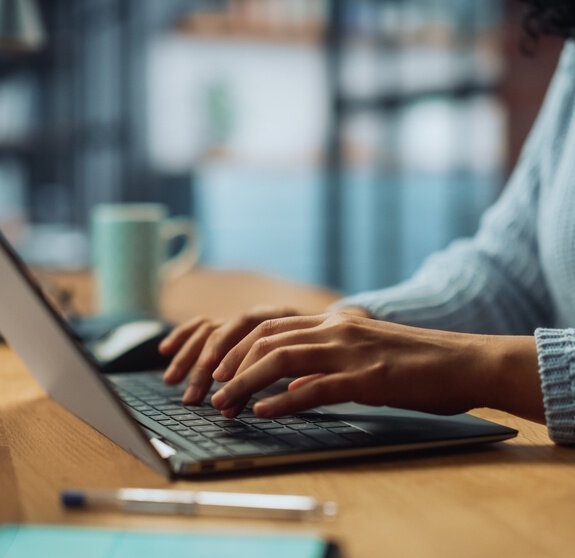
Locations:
(130, 247)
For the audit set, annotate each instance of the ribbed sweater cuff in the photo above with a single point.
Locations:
(556, 354)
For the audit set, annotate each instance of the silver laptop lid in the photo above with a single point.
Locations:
(60, 364)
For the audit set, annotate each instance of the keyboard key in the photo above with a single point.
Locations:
(236, 429)
(194, 423)
(192, 408)
(226, 423)
(206, 428)
(142, 408)
(302, 426)
(176, 411)
(283, 431)
(178, 428)
(168, 407)
(154, 415)
(186, 416)
(216, 434)
(206, 412)
(192, 436)
(252, 420)
(334, 424)
(266, 425)
(290, 420)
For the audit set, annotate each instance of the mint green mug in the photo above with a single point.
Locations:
(130, 247)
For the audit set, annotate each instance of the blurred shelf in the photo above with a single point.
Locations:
(432, 35)
(396, 100)
(225, 28)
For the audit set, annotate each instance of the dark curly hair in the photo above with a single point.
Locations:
(549, 17)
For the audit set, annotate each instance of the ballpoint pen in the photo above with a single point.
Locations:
(191, 502)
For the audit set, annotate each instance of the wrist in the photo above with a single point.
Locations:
(512, 376)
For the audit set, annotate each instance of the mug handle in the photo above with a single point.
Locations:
(187, 257)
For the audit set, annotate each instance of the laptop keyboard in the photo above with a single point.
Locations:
(207, 434)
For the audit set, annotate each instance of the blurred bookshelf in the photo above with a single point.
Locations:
(21, 132)
(259, 20)
(381, 59)
(356, 127)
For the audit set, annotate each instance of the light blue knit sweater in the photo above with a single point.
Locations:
(517, 275)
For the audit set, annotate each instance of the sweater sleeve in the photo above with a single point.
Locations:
(556, 352)
(493, 282)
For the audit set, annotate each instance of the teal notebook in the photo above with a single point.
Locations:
(28, 541)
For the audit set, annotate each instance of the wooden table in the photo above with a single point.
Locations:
(512, 499)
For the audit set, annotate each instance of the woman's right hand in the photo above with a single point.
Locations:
(199, 345)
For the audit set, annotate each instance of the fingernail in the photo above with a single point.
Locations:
(220, 399)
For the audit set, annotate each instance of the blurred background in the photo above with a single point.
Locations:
(334, 142)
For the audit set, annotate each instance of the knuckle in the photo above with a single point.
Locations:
(281, 357)
(214, 344)
(341, 326)
(269, 327)
(192, 324)
(261, 347)
(249, 320)
(335, 320)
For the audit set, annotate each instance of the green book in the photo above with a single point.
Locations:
(29, 541)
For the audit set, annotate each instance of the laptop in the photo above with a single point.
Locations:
(147, 419)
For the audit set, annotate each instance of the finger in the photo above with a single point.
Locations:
(260, 338)
(179, 335)
(298, 382)
(188, 354)
(217, 345)
(292, 361)
(214, 349)
(324, 390)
